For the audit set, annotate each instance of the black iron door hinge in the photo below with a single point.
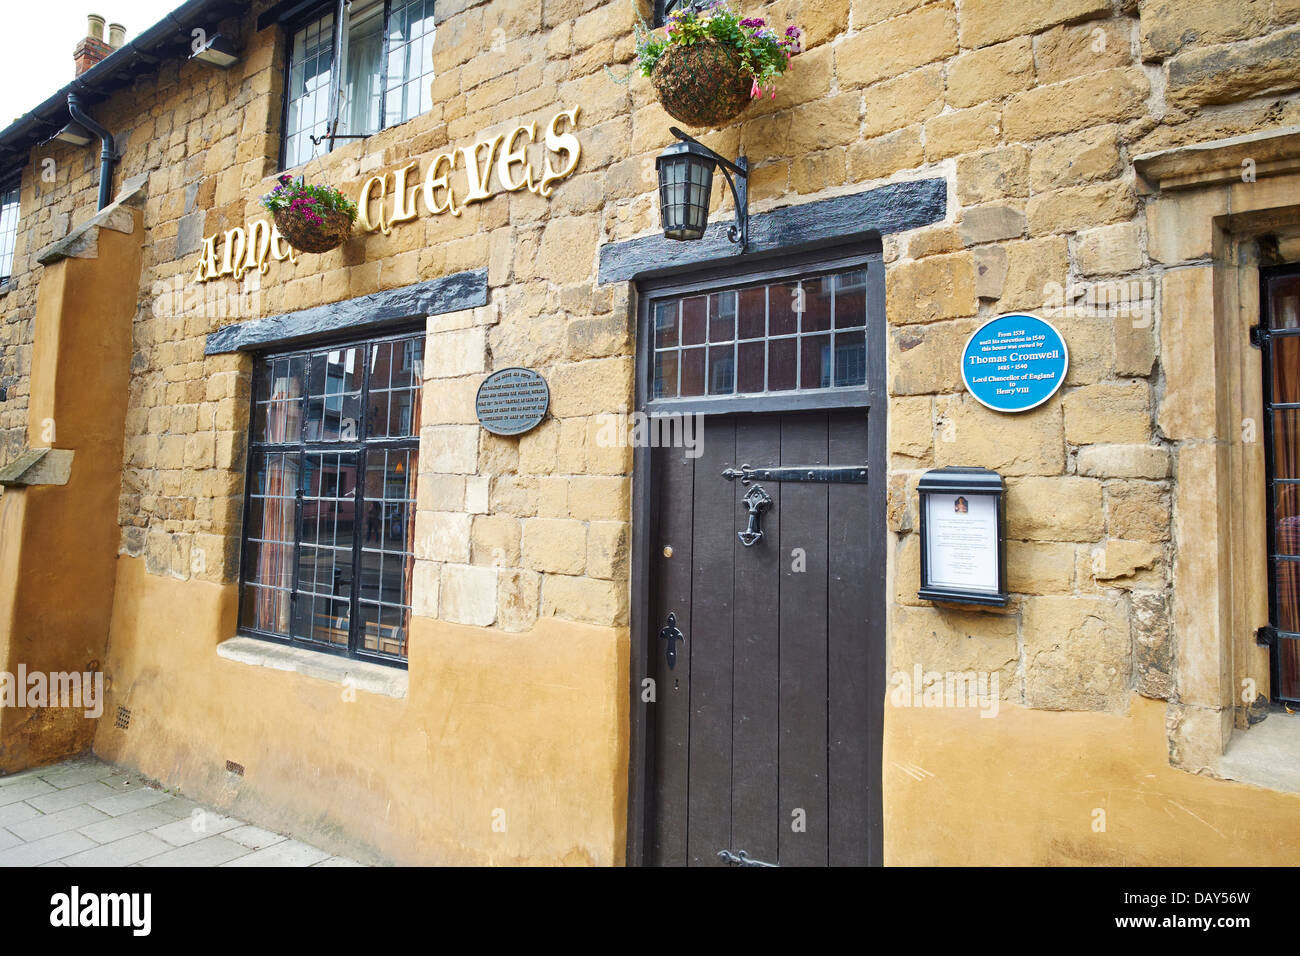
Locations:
(1266, 636)
(1258, 336)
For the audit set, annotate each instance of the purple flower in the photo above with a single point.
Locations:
(792, 31)
(753, 22)
(286, 179)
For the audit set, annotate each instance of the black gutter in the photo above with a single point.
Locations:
(106, 154)
(38, 125)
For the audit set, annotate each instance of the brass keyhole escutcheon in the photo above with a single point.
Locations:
(668, 551)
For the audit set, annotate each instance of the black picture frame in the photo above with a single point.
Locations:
(961, 480)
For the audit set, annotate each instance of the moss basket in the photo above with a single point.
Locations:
(314, 236)
(703, 85)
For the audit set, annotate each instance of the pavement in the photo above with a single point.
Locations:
(85, 812)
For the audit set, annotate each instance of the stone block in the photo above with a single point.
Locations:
(940, 287)
(897, 45)
(1123, 461)
(1038, 567)
(989, 21)
(1030, 443)
(991, 73)
(981, 224)
(1109, 250)
(1108, 413)
(557, 545)
(993, 175)
(1077, 653)
(468, 594)
(1110, 96)
(1062, 508)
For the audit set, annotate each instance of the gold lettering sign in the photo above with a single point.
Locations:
(496, 164)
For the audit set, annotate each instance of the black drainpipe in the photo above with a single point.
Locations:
(106, 153)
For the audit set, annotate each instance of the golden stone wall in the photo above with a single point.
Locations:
(1032, 111)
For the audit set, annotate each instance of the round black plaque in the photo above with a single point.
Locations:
(512, 401)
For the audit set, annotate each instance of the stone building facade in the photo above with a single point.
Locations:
(1122, 168)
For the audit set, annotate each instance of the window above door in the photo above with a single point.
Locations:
(385, 48)
(798, 336)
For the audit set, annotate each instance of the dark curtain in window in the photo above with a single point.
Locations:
(1284, 312)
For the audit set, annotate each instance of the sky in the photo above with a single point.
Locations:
(37, 42)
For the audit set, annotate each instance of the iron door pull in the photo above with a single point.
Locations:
(672, 635)
(742, 859)
(757, 501)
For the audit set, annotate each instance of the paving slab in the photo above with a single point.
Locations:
(121, 803)
(255, 838)
(212, 851)
(23, 789)
(64, 776)
(73, 818)
(17, 813)
(128, 824)
(196, 827)
(52, 847)
(56, 800)
(288, 853)
(122, 852)
(86, 812)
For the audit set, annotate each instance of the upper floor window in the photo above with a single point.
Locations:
(8, 231)
(386, 51)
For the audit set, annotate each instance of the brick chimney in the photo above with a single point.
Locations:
(93, 48)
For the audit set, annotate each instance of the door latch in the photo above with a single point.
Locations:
(672, 635)
(741, 859)
(757, 501)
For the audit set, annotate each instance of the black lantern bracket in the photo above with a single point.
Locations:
(739, 170)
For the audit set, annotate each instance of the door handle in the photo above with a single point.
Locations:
(757, 501)
(672, 635)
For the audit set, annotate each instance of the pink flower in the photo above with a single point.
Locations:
(756, 91)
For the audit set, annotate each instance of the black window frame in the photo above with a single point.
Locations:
(1264, 337)
(11, 185)
(665, 7)
(359, 447)
(295, 19)
(807, 265)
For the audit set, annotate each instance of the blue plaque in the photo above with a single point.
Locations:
(512, 401)
(1014, 363)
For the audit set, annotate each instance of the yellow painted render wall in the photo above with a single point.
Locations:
(526, 730)
(1023, 788)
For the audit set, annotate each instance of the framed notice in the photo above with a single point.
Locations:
(963, 547)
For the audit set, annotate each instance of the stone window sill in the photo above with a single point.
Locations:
(1266, 755)
(360, 675)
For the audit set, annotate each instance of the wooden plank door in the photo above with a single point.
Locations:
(762, 740)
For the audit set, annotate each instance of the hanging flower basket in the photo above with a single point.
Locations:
(311, 218)
(306, 235)
(704, 85)
(708, 63)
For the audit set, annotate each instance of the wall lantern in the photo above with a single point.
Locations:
(686, 182)
(963, 542)
(217, 52)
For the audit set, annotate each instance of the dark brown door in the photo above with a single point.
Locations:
(763, 737)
